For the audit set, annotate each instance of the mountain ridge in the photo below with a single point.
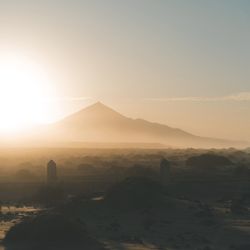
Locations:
(99, 123)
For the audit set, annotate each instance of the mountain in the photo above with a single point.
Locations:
(101, 124)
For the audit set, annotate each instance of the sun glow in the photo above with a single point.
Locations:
(25, 91)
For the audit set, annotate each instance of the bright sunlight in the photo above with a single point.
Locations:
(25, 91)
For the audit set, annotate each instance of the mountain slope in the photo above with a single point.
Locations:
(101, 124)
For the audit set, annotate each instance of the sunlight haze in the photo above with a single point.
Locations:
(124, 124)
(25, 93)
(180, 63)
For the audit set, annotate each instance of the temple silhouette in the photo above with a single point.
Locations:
(51, 172)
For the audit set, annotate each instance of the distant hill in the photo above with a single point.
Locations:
(101, 125)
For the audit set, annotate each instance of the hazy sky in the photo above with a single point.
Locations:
(180, 62)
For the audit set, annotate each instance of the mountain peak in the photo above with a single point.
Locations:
(96, 111)
(98, 105)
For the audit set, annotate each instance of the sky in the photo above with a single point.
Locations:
(184, 63)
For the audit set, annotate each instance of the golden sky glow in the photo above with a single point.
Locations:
(181, 63)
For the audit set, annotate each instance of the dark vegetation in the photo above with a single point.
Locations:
(208, 162)
(48, 231)
(135, 194)
(110, 198)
